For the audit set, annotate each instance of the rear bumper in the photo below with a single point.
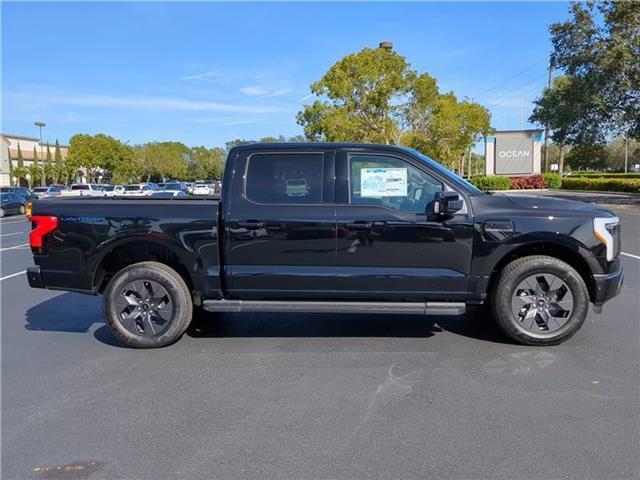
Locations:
(608, 286)
(56, 280)
(35, 278)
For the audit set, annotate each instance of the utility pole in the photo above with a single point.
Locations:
(546, 127)
(40, 125)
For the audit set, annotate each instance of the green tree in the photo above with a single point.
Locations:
(49, 171)
(99, 154)
(615, 152)
(560, 108)
(20, 171)
(600, 48)
(237, 143)
(163, 160)
(60, 172)
(32, 168)
(57, 156)
(35, 174)
(587, 157)
(11, 173)
(206, 163)
(375, 96)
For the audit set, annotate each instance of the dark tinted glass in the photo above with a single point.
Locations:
(285, 178)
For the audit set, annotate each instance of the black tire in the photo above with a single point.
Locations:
(177, 295)
(511, 277)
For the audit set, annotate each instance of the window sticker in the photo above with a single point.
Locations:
(383, 182)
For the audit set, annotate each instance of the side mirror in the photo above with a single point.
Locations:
(447, 203)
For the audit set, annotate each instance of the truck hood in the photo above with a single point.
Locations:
(543, 205)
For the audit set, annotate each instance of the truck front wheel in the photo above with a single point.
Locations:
(539, 300)
(147, 305)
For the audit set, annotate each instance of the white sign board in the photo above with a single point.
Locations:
(554, 167)
(383, 182)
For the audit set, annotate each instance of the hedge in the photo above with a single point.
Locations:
(605, 175)
(530, 182)
(491, 182)
(554, 180)
(602, 184)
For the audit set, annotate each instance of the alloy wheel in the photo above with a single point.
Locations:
(542, 303)
(145, 308)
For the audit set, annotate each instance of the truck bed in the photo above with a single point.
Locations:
(94, 237)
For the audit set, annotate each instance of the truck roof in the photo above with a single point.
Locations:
(317, 145)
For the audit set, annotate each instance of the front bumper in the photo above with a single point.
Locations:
(608, 286)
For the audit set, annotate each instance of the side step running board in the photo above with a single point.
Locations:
(422, 308)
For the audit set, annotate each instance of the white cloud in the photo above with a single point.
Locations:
(226, 122)
(204, 75)
(146, 103)
(254, 91)
(265, 92)
(306, 97)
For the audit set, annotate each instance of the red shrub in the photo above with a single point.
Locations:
(528, 183)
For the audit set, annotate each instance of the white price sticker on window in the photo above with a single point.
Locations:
(383, 182)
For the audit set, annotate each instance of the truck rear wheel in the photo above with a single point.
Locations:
(539, 300)
(147, 305)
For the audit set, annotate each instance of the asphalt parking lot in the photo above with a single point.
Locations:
(257, 396)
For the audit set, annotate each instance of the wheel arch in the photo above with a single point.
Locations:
(121, 254)
(552, 249)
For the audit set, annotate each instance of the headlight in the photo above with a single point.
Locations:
(607, 230)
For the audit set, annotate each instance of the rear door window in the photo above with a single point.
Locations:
(284, 178)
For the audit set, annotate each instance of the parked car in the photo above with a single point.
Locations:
(381, 229)
(112, 190)
(11, 204)
(25, 194)
(200, 189)
(169, 194)
(138, 190)
(44, 192)
(83, 190)
(176, 187)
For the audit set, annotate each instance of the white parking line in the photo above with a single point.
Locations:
(12, 275)
(16, 233)
(637, 257)
(15, 221)
(14, 247)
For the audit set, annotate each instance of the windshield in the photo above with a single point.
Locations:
(172, 186)
(459, 181)
(40, 189)
(130, 188)
(108, 188)
(79, 187)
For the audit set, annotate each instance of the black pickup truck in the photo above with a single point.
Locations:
(331, 228)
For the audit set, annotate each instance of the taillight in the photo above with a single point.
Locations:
(42, 226)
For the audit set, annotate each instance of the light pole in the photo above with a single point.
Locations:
(40, 125)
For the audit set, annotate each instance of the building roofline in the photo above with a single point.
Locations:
(33, 139)
(516, 131)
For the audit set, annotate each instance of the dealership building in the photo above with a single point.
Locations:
(513, 153)
(9, 145)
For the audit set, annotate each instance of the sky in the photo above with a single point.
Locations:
(207, 73)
